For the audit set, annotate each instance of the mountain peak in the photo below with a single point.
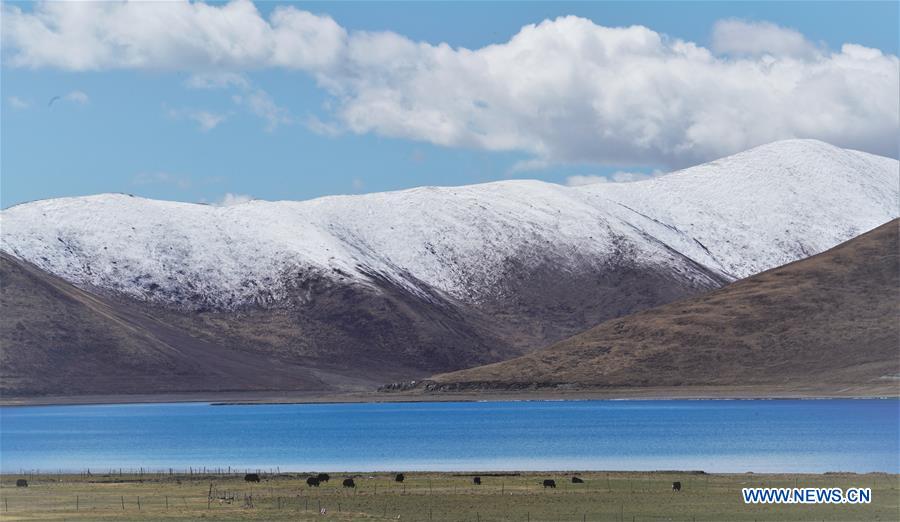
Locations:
(733, 217)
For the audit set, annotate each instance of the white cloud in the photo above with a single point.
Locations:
(205, 120)
(230, 199)
(18, 103)
(529, 165)
(318, 126)
(256, 100)
(261, 104)
(563, 91)
(570, 91)
(78, 97)
(743, 38)
(219, 80)
(618, 177)
(83, 36)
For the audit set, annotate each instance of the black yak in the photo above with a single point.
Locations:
(323, 477)
(348, 483)
(676, 486)
(251, 477)
(549, 483)
(477, 481)
(312, 482)
(576, 480)
(399, 477)
(21, 483)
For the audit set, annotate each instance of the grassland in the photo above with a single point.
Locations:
(617, 496)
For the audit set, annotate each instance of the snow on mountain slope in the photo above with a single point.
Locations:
(733, 217)
(764, 207)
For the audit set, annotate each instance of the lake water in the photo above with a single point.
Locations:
(709, 435)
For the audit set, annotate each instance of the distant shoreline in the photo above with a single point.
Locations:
(887, 391)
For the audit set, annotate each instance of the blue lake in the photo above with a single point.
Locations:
(709, 435)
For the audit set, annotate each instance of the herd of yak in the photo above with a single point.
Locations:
(399, 477)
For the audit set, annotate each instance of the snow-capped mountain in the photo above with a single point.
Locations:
(419, 281)
(733, 217)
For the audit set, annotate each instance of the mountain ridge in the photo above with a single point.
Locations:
(453, 239)
(430, 280)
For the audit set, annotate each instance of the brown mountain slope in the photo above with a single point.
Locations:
(57, 339)
(827, 321)
(60, 340)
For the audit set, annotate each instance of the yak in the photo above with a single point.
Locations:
(348, 483)
(399, 477)
(251, 477)
(477, 481)
(312, 482)
(323, 477)
(549, 483)
(676, 486)
(21, 483)
(577, 480)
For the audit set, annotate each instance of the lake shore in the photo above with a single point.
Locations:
(432, 496)
(890, 389)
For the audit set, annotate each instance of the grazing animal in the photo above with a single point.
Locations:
(477, 481)
(21, 483)
(549, 483)
(323, 477)
(676, 486)
(312, 482)
(399, 477)
(251, 477)
(576, 480)
(348, 483)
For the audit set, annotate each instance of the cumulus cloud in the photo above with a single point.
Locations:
(563, 91)
(230, 199)
(618, 177)
(83, 36)
(748, 38)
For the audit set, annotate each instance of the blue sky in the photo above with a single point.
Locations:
(300, 131)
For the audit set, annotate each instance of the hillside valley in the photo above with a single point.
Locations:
(828, 322)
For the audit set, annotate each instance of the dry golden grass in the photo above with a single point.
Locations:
(616, 496)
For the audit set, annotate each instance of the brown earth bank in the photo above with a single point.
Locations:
(475, 394)
(830, 322)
